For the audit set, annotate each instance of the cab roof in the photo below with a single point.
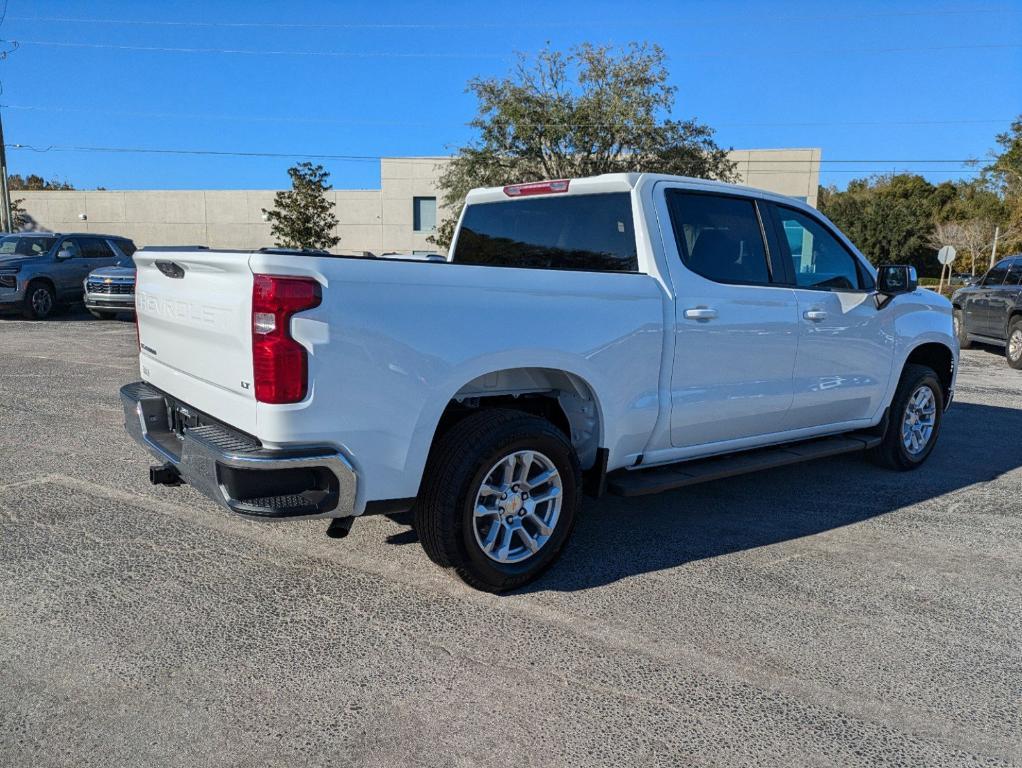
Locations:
(623, 182)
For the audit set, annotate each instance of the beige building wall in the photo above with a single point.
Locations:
(794, 172)
(373, 220)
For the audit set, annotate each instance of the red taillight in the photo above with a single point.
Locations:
(279, 363)
(537, 188)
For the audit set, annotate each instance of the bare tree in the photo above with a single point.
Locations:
(973, 238)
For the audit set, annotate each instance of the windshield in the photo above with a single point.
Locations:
(20, 245)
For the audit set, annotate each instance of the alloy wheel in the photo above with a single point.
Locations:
(918, 421)
(42, 302)
(1015, 345)
(517, 507)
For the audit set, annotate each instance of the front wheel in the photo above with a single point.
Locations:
(499, 499)
(102, 315)
(915, 417)
(1013, 349)
(40, 301)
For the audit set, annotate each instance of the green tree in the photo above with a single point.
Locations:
(302, 217)
(588, 111)
(1004, 176)
(890, 218)
(19, 216)
(35, 182)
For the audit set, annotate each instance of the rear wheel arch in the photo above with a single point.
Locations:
(565, 399)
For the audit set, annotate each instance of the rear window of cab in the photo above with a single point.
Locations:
(593, 233)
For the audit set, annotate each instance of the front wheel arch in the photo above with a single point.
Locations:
(937, 357)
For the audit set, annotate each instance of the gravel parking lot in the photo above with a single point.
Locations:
(826, 614)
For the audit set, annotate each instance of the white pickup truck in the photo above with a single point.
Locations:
(627, 333)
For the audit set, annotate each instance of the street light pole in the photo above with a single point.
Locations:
(5, 194)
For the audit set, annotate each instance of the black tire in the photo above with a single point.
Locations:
(963, 337)
(459, 464)
(102, 315)
(1013, 347)
(40, 300)
(892, 452)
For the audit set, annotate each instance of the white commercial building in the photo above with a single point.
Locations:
(399, 216)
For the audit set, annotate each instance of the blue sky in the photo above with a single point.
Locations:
(870, 81)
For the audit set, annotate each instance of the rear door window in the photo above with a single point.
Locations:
(719, 237)
(577, 232)
(95, 248)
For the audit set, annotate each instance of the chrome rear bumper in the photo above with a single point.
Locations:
(232, 468)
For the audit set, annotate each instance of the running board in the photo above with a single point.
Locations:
(639, 482)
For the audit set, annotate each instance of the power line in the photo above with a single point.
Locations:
(205, 152)
(967, 162)
(745, 52)
(616, 23)
(265, 52)
(263, 117)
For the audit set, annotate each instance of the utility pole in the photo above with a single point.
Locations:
(993, 251)
(5, 194)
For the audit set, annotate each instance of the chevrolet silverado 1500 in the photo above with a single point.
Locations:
(627, 333)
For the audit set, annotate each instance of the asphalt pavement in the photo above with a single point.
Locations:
(831, 613)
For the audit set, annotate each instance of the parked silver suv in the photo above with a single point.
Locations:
(109, 290)
(39, 271)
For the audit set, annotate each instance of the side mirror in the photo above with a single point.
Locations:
(64, 253)
(893, 279)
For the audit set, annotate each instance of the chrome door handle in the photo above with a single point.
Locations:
(815, 315)
(700, 313)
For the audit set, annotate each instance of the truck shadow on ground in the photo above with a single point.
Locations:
(616, 538)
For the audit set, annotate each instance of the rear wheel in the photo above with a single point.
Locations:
(959, 322)
(40, 301)
(499, 498)
(1013, 349)
(915, 418)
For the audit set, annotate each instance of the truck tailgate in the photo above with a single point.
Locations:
(194, 321)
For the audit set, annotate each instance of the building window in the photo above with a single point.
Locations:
(424, 214)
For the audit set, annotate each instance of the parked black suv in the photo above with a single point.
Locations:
(990, 311)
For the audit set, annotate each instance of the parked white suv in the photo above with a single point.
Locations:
(627, 333)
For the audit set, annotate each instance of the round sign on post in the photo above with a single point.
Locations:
(945, 256)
